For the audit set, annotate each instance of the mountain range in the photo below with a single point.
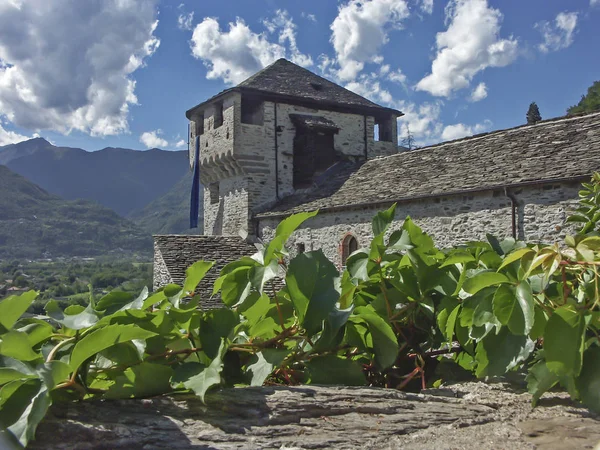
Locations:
(144, 192)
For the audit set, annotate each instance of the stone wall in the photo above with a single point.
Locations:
(450, 220)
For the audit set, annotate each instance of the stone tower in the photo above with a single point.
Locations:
(273, 134)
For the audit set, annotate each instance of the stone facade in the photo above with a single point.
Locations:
(540, 215)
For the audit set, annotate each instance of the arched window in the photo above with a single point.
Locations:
(349, 246)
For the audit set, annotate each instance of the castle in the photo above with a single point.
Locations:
(286, 140)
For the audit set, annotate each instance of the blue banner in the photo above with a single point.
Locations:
(195, 200)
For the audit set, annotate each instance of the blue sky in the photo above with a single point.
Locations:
(122, 73)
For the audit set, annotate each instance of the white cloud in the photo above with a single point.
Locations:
(360, 30)
(479, 93)
(422, 120)
(310, 17)
(469, 45)
(185, 21)
(594, 2)
(10, 137)
(68, 64)
(557, 35)
(180, 144)
(426, 6)
(236, 54)
(461, 130)
(151, 139)
(283, 23)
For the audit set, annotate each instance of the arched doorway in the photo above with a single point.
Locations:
(349, 246)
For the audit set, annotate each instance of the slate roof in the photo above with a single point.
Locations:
(285, 80)
(556, 149)
(181, 251)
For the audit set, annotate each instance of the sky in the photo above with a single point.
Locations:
(121, 73)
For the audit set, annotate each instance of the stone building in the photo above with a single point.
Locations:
(286, 140)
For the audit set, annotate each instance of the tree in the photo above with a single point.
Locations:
(533, 114)
(408, 141)
(589, 102)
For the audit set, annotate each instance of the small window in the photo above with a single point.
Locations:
(349, 246)
(199, 125)
(218, 115)
(252, 111)
(214, 193)
(383, 130)
(300, 247)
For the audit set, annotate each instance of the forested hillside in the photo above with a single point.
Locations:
(35, 224)
(121, 179)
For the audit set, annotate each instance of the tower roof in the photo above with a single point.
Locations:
(284, 80)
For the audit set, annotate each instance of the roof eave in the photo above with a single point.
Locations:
(375, 109)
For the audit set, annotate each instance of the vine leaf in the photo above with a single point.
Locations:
(13, 307)
(332, 369)
(311, 282)
(540, 380)
(268, 359)
(210, 376)
(103, 338)
(483, 280)
(514, 307)
(83, 319)
(194, 274)
(498, 353)
(588, 382)
(283, 232)
(385, 344)
(564, 341)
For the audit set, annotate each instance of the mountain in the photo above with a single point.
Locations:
(121, 179)
(35, 224)
(170, 213)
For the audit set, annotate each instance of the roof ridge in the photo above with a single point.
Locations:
(554, 120)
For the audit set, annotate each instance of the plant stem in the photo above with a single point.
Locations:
(57, 347)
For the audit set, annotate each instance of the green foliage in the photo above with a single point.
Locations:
(533, 114)
(401, 307)
(589, 102)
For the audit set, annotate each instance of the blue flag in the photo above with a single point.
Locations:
(195, 200)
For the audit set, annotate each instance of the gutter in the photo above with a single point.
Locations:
(365, 138)
(276, 154)
(391, 201)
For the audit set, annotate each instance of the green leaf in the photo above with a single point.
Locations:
(539, 323)
(514, 307)
(103, 338)
(37, 331)
(53, 373)
(283, 232)
(332, 369)
(588, 382)
(564, 341)
(84, 319)
(385, 344)
(357, 265)
(13, 307)
(215, 325)
(23, 404)
(15, 344)
(236, 286)
(540, 380)
(458, 258)
(483, 280)
(267, 360)
(210, 376)
(138, 302)
(333, 331)
(194, 274)
(113, 301)
(311, 282)
(142, 380)
(498, 353)
(514, 256)
(451, 323)
(13, 369)
(383, 219)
